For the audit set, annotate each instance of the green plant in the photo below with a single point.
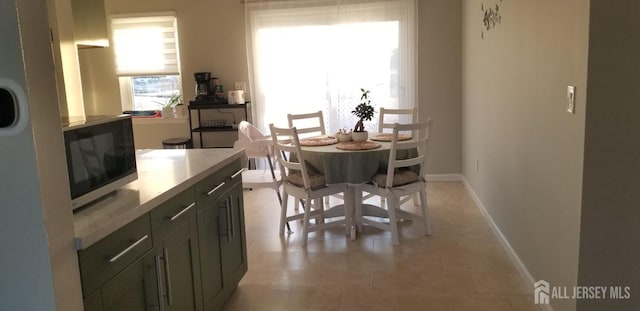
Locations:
(171, 101)
(364, 111)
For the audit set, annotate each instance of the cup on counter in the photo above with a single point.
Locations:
(236, 97)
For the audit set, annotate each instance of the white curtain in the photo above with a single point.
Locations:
(310, 55)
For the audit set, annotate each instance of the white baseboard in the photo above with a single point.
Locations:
(444, 177)
(520, 266)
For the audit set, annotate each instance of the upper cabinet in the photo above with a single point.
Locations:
(90, 23)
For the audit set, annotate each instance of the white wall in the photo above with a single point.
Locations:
(149, 134)
(440, 81)
(529, 150)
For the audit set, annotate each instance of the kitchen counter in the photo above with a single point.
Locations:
(162, 174)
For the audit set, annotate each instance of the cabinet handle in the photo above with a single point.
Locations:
(167, 272)
(227, 209)
(184, 210)
(216, 188)
(128, 249)
(231, 222)
(159, 281)
(237, 173)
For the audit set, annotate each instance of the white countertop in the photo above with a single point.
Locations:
(162, 174)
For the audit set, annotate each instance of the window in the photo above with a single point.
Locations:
(147, 59)
(307, 56)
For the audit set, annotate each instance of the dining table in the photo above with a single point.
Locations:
(353, 167)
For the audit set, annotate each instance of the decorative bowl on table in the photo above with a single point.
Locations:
(342, 137)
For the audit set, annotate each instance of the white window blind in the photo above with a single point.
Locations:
(145, 45)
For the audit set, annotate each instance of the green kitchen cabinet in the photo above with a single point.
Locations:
(175, 240)
(118, 272)
(223, 252)
(233, 241)
(132, 289)
(210, 255)
(186, 254)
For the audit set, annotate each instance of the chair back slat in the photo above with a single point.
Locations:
(302, 122)
(420, 132)
(389, 117)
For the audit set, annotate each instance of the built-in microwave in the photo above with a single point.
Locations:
(100, 156)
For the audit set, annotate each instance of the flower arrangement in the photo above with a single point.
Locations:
(364, 111)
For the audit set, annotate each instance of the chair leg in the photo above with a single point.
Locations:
(425, 212)
(392, 203)
(305, 220)
(283, 211)
(274, 179)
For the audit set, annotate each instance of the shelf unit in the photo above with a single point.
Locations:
(195, 122)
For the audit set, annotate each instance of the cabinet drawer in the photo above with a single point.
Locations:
(107, 257)
(215, 185)
(172, 213)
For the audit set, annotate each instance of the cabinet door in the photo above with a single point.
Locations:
(233, 241)
(133, 289)
(93, 302)
(210, 261)
(176, 248)
(178, 256)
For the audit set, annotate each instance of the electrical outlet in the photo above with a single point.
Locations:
(571, 99)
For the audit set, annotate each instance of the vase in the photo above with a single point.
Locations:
(360, 136)
(169, 112)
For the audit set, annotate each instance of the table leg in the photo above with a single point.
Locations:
(349, 204)
(358, 208)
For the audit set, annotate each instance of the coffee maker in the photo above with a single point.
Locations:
(203, 85)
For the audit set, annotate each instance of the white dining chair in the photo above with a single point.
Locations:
(258, 146)
(389, 117)
(400, 180)
(300, 182)
(308, 124)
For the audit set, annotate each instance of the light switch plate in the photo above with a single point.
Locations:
(571, 99)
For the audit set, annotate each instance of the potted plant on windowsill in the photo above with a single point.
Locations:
(169, 106)
(364, 111)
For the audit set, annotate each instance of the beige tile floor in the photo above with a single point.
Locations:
(460, 266)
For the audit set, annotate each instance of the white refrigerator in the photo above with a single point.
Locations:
(38, 266)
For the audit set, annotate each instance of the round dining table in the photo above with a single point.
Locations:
(346, 166)
(351, 167)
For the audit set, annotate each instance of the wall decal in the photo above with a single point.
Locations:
(491, 17)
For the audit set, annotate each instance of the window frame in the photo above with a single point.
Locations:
(125, 80)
